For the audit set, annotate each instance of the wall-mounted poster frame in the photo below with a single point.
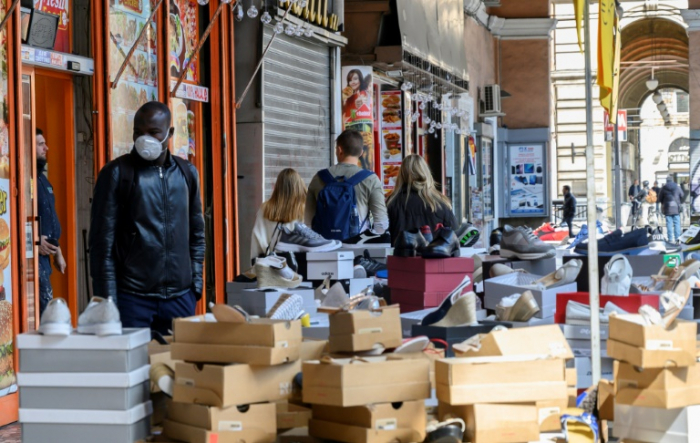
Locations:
(527, 180)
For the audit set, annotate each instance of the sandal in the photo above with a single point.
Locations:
(674, 302)
(562, 276)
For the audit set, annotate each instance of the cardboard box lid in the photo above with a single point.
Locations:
(330, 256)
(547, 340)
(252, 355)
(628, 376)
(85, 416)
(501, 392)
(433, 266)
(645, 358)
(193, 434)
(131, 338)
(365, 342)
(291, 416)
(658, 398)
(365, 321)
(631, 329)
(382, 416)
(498, 422)
(256, 332)
(355, 434)
(83, 379)
(499, 370)
(256, 416)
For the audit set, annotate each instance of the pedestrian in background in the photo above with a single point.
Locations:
(670, 199)
(657, 192)
(569, 209)
(632, 193)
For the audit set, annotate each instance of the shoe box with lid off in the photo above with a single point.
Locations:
(424, 283)
(84, 387)
(259, 302)
(364, 330)
(642, 265)
(502, 286)
(631, 303)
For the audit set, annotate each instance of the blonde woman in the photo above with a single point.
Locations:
(416, 201)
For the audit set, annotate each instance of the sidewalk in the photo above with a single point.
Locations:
(11, 433)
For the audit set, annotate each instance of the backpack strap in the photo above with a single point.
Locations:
(326, 176)
(359, 177)
(184, 167)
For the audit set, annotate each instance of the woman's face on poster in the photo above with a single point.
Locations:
(354, 82)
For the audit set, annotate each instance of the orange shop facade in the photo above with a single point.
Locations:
(79, 69)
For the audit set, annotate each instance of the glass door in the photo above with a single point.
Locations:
(29, 265)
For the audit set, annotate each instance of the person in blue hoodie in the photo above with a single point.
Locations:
(670, 199)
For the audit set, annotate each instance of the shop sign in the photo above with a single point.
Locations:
(621, 126)
(527, 179)
(61, 8)
(40, 56)
(192, 92)
(358, 108)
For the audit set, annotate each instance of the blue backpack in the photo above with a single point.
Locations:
(336, 216)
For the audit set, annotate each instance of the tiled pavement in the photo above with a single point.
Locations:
(11, 434)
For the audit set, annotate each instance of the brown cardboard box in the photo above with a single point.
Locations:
(657, 388)
(572, 393)
(655, 345)
(355, 434)
(381, 416)
(291, 416)
(236, 384)
(648, 359)
(489, 423)
(211, 418)
(606, 400)
(363, 330)
(297, 435)
(548, 413)
(242, 434)
(571, 377)
(258, 342)
(431, 357)
(516, 379)
(361, 382)
(545, 340)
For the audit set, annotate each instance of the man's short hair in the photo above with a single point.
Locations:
(39, 132)
(350, 142)
(153, 108)
(567, 188)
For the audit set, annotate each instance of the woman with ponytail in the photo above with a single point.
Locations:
(416, 201)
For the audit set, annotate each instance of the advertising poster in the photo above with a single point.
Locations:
(358, 108)
(391, 138)
(526, 178)
(61, 8)
(183, 38)
(139, 82)
(7, 377)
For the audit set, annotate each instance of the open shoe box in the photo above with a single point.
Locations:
(649, 424)
(497, 288)
(497, 423)
(546, 340)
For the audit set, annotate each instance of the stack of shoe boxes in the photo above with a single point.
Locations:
(84, 387)
(418, 283)
(657, 380)
(509, 385)
(373, 400)
(230, 375)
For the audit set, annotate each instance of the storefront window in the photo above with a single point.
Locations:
(139, 82)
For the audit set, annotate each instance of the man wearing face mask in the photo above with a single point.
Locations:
(147, 230)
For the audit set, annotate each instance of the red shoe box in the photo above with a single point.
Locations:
(630, 303)
(422, 300)
(420, 275)
(455, 265)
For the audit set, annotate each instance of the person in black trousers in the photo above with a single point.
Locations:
(569, 209)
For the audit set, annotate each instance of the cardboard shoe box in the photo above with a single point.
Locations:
(652, 346)
(584, 371)
(84, 353)
(290, 416)
(657, 425)
(346, 382)
(354, 434)
(338, 265)
(630, 303)
(455, 334)
(379, 416)
(512, 379)
(252, 423)
(236, 384)
(657, 388)
(503, 286)
(495, 423)
(363, 330)
(258, 342)
(546, 340)
(94, 391)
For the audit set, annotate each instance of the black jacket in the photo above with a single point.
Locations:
(48, 219)
(415, 214)
(633, 191)
(157, 248)
(670, 198)
(569, 209)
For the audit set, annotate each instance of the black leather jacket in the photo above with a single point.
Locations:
(157, 249)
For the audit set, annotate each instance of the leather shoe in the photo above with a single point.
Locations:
(409, 244)
(444, 245)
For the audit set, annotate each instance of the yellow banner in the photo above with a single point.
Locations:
(608, 57)
(578, 16)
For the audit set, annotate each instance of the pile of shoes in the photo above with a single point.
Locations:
(443, 243)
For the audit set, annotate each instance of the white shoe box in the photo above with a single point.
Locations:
(378, 254)
(258, 302)
(83, 425)
(583, 332)
(542, 266)
(643, 424)
(505, 285)
(338, 265)
(76, 390)
(408, 319)
(320, 327)
(84, 353)
(234, 287)
(584, 371)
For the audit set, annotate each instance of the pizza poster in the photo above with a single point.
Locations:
(61, 8)
(358, 109)
(526, 180)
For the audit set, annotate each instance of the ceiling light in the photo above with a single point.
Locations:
(652, 84)
(657, 97)
(661, 106)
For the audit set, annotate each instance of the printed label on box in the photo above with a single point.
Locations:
(185, 381)
(658, 345)
(545, 413)
(370, 331)
(387, 424)
(232, 426)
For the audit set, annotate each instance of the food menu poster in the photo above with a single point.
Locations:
(184, 122)
(139, 82)
(183, 38)
(61, 8)
(358, 108)
(526, 179)
(391, 138)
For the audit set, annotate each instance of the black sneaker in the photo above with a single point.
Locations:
(371, 265)
(469, 237)
(368, 238)
(444, 245)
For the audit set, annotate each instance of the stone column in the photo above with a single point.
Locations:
(692, 18)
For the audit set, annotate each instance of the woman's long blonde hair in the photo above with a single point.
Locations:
(415, 175)
(288, 198)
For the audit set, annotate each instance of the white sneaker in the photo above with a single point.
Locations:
(101, 317)
(56, 319)
(617, 278)
(288, 307)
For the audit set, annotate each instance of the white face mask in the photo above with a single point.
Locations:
(149, 148)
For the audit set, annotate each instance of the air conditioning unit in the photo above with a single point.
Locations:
(492, 99)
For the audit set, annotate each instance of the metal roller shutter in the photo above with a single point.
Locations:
(296, 79)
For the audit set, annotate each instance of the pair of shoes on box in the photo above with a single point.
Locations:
(443, 244)
(101, 317)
